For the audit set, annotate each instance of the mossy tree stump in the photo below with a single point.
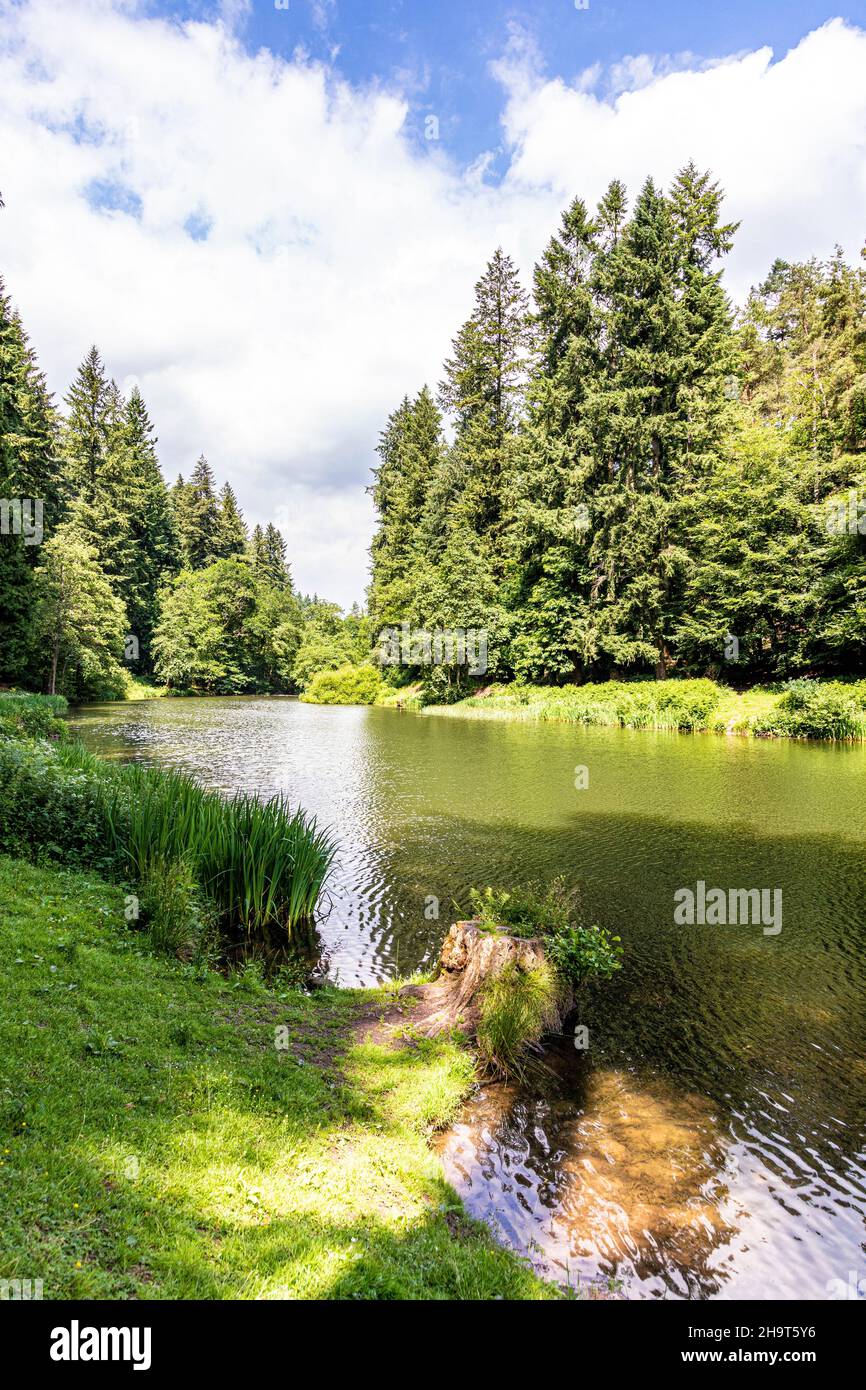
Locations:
(470, 958)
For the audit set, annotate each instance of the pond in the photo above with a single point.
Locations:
(709, 1141)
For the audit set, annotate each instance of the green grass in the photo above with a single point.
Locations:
(406, 697)
(156, 1144)
(137, 689)
(517, 1008)
(797, 709)
(261, 864)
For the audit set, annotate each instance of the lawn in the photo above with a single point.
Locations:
(166, 1132)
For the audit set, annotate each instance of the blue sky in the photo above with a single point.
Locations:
(245, 215)
(439, 52)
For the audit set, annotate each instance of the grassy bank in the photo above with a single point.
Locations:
(203, 865)
(156, 1143)
(798, 709)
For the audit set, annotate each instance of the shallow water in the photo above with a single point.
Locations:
(711, 1140)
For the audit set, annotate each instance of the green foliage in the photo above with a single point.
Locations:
(348, 685)
(30, 468)
(577, 951)
(686, 705)
(828, 710)
(517, 1008)
(813, 709)
(79, 622)
(224, 630)
(173, 908)
(51, 808)
(329, 640)
(261, 864)
(580, 953)
(528, 911)
(32, 716)
(201, 529)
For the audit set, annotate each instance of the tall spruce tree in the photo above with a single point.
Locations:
(275, 566)
(482, 390)
(155, 549)
(552, 490)
(197, 516)
(412, 454)
(30, 479)
(102, 473)
(660, 411)
(231, 537)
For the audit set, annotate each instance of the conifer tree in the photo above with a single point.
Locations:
(31, 475)
(197, 515)
(231, 536)
(155, 549)
(412, 454)
(271, 563)
(482, 390)
(552, 492)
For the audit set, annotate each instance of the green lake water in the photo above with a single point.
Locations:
(710, 1142)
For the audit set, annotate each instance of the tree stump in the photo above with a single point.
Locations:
(469, 958)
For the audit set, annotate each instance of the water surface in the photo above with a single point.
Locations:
(710, 1143)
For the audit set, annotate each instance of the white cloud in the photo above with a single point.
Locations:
(786, 138)
(339, 257)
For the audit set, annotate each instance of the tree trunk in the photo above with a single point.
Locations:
(52, 684)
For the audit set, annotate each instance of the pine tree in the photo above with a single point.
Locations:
(31, 475)
(551, 498)
(660, 412)
(271, 563)
(231, 537)
(102, 472)
(197, 516)
(155, 548)
(412, 455)
(257, 548)
(482, 390)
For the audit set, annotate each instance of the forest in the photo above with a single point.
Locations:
(133, 578)
(620, 475)
(623, 476)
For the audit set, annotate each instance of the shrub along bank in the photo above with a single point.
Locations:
(244, 867)
(799, 709)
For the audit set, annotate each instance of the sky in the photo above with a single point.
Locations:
(271, 216)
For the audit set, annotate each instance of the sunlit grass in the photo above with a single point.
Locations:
(155, 1143)
(794, 709)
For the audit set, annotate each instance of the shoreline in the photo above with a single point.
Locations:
(200, 1137)
(804, 710)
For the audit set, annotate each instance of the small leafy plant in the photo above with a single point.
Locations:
(577, 950)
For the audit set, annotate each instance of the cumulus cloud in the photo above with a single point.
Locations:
(269, 254)
(785, 137)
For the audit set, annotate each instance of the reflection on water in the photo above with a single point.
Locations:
(713, 1145)
(592, 1175)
